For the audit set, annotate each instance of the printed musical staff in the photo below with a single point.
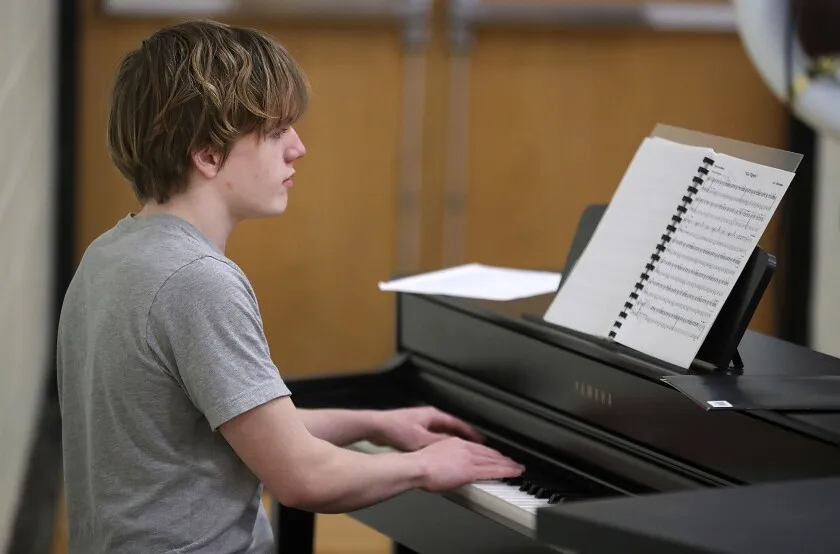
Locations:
(669, 249)
(711, 236)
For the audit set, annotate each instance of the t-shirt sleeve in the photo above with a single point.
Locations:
(205, 327)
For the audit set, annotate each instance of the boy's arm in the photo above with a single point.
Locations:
(309, 473)
(338, 426)
(404, 429)
(206, 327)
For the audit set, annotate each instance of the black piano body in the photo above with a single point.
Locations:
(565, 405)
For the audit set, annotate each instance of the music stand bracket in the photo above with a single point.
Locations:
(720, 348)
(719, 351)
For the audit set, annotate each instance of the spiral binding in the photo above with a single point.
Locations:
(696, 183)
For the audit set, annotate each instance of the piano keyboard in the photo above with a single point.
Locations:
(516, 499)
(506, 499)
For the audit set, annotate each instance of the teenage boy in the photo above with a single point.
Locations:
(174, 416)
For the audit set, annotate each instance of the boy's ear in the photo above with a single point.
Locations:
(207, 162)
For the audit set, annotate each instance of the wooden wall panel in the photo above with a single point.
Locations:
(555, 117)
(315, 268)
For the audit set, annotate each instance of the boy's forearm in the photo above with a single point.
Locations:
(304, 471)
(346, 481)
(340, 480)
(340, 427)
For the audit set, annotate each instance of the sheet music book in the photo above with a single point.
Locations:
(669, 248)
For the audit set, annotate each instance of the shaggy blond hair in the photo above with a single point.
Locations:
(195, 85)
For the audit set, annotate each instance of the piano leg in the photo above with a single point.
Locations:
(295, 530)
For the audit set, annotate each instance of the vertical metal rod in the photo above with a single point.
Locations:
(457, 151)
(409, 216)
(457, 160)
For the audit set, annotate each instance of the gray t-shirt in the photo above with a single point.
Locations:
(160, 341)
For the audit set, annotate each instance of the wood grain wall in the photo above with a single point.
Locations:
(552, 119)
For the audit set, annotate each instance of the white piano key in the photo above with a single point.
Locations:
(506, 500)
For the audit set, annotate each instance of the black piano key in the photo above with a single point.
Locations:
(544, 493)
(557, 486)
(569, 484)
(566, 498)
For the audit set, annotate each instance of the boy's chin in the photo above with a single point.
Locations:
(270, 209)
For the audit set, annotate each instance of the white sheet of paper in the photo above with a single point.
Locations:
(478, 281)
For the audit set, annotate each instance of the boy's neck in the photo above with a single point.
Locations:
(211, 218)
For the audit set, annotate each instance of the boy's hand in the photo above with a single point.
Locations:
(454, 462)
(410, 429)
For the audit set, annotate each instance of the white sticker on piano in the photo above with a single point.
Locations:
(719, 404)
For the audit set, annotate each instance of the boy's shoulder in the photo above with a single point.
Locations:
(156, 246)
(138, 259)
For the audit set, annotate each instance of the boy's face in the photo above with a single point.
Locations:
(256, 178)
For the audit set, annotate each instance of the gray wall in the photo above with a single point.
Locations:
(825, 294)
(28, 34)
